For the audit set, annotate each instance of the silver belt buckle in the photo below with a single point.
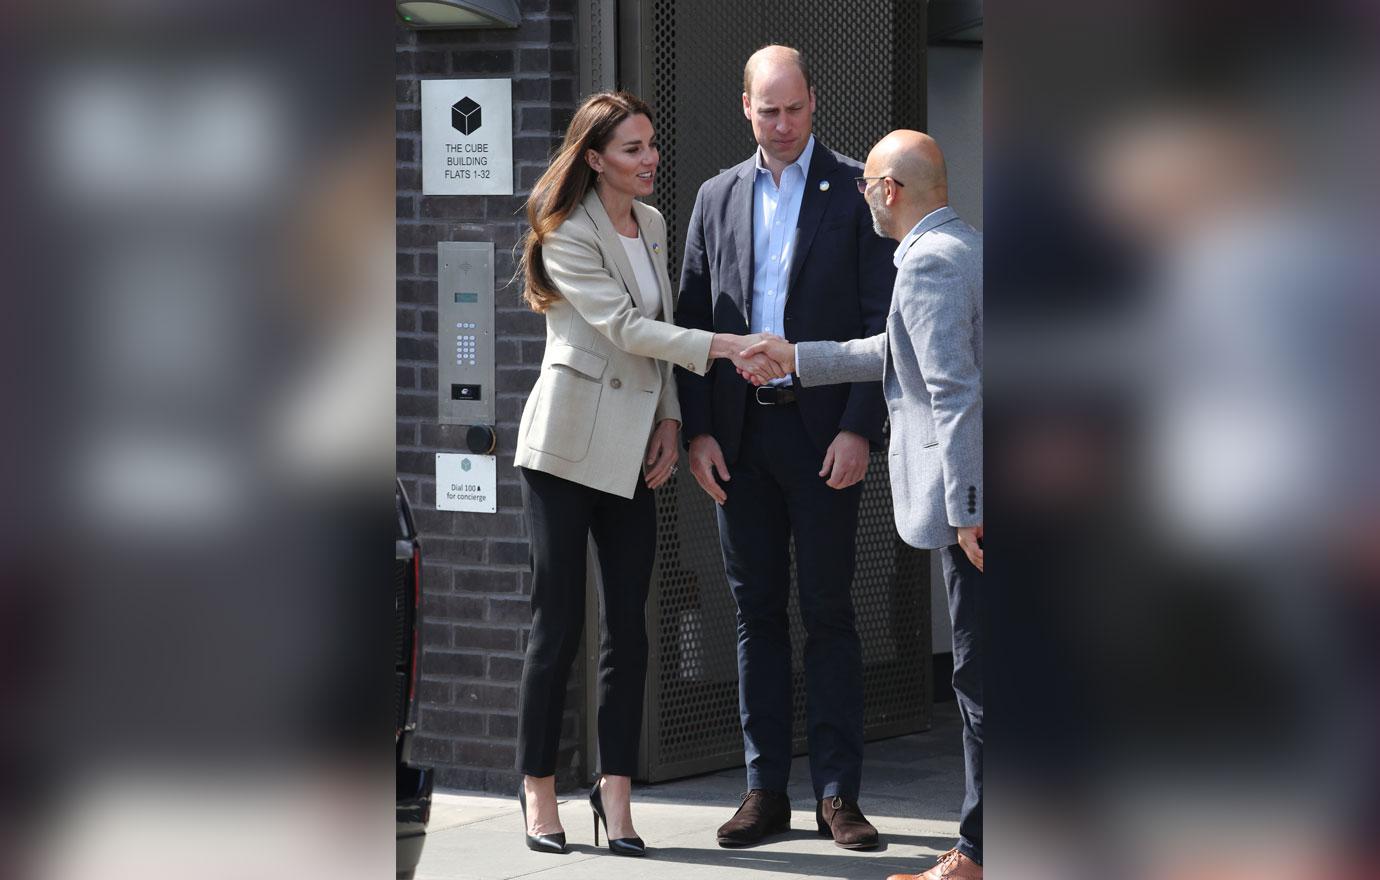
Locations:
(774, 394)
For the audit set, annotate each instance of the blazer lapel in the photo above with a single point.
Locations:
(813, 204)
(608, 237)
(740, 232)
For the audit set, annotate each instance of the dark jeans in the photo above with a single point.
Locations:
(775, 492)
(560, 517)
(964, 583)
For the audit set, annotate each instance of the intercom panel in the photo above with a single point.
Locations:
(465, 343)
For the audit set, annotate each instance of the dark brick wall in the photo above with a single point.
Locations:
(476, 565)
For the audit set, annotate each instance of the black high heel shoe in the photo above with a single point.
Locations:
(550, 843)
(623, 846)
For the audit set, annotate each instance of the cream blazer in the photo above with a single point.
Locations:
(606, 376)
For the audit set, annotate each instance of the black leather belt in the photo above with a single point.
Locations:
(775, 395)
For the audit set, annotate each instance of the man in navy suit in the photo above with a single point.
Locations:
(783, 243)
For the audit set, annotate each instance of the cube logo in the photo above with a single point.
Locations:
(465, 116)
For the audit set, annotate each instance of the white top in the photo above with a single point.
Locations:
(646, 293)
(775, 212)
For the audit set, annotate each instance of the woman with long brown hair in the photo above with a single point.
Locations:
(599, 432)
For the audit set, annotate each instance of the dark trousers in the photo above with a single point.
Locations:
(964, 583)
(560, 517)
(775, 492)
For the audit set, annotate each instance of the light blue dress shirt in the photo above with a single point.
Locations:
(775, 213)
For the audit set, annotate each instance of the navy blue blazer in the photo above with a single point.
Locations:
(839, 289)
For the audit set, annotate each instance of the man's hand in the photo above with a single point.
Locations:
(970, 540)
(845, 462)
(781, 353)
(705, 458)
(758, 369)
(661, 457)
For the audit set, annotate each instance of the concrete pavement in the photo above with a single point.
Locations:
(912, 791)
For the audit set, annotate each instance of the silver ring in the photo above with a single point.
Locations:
(674, 469)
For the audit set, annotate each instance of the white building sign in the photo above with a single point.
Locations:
(466, 482)
(467, 137)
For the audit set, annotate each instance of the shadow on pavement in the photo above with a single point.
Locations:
(840, 864)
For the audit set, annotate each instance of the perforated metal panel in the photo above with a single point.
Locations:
(868, 62)
(692, 710)
(867, 58)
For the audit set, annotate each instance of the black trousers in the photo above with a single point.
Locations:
(775, 493)
(964, 584)
(560, 517)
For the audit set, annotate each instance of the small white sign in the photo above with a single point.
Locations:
(467, 137)
(466, 482)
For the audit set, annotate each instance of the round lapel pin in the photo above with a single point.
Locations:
(656, 247)
(824, 186)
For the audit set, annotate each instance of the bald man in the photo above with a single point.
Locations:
(930, 362)
(783, 243)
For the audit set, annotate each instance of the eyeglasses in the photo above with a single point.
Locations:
(862, 181)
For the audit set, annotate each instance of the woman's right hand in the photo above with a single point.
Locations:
(781, 353)
(759, 367)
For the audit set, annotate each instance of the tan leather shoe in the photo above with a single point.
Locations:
(844, 821)
(953, 865)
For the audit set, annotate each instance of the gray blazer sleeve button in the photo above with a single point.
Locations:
(615, 383)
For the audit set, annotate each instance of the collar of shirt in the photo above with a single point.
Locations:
(927, 222)
(802, 162)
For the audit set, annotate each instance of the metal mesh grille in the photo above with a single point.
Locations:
(403, 623)
(693, 713)
(695, 708)
(867, 59)
(402, 611)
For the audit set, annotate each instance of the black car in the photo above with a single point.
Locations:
(414, 783)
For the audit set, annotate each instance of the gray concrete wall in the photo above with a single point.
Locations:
(955, 121)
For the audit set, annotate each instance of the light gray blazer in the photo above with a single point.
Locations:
(930, 363)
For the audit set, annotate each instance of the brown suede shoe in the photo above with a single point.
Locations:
(760, 814)
(953, 865)
(843, 820)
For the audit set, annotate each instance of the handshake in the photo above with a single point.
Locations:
(759, 358)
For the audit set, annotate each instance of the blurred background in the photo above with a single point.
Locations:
(199, 254)
(1181, 398)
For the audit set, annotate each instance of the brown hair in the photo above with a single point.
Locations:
(566, 182)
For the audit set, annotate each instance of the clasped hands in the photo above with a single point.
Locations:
(761, 357)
